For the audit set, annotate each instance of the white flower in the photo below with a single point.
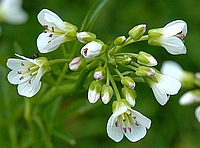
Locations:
(170, 37)
(56, 33)
(190, 97)
(163, 86)
(27, 74)
(126, 121)
(197, 113)
(11, 12)
(92, 49)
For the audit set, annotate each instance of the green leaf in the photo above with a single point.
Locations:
(93, 14)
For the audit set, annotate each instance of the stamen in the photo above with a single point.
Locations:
(45, 31)
(85, 51)
(29, 81)
(50, 35)
(116, 123)
(129, 129)
(19, 72)
(22, 64)
(45, 26)
(49, 41)
(52, 29)
(136, 123)
(31, 74)
(29, 69)
(124, 129)
(22, 77)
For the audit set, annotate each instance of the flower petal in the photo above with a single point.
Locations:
(114, 132)
(170, 84)
(146, 122)
(175, 27)
(173, 45)
(46, 44)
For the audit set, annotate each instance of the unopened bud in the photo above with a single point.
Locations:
(85, 37)
(120, 40)
(106, 93)
(77, 64)
(144, 71)
(129, 95)
(128, 82)
(146, 59)
(137, 31)
(99, 73)
(126, 60)
(92, 49)
(94, 91)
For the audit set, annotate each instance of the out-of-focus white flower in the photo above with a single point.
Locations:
(163, 86)
(11, 12)
(173, 69)
(170, 37)
(92, 49)
(190, 97)
(56, 31)
(27, 74)
(197, 113)
(126, 121)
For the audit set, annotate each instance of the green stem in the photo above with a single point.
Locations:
(119, 73)
(114, 85)
(143, 38)
(52, 62)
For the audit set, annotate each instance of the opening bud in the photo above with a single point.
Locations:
(129, 95)
(137, 31)
(94, 91)
(146, 59)
(143, 71)
(99, 73)
(85, 37)
(77, 64)
(128, 82)
(190, 97)
(106, 93)
(120, 40)
(93, 49)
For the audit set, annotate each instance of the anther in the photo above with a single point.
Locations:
(19, 72)
(50, 35)
(22, 64)
(22, 77)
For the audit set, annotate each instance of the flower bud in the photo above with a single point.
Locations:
(143, 71)
(129, 95)
(94, 91)
(128, 82)
(77, 64)
(92, 49)
(85, 37)
(137, 31)
(99, 73)
(146, 59)
(190, 97)
(120, 40)
(126, 60)
(106, 93)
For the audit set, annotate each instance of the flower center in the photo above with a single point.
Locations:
(180, 36)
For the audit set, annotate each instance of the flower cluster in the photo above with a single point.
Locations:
(188, 80)
(106, 64)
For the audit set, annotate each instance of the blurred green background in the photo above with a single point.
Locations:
(70, 121)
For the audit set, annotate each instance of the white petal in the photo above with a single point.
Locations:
(47, 17)
(137, 132)
(47, 44)
(175, 27)
(171, 68)
(160, 93)
(26, 89)
(15, 78)
(13, 63)
(114, 132)
(170, 84)
(197, 113)
(173, 45)
(146, 122)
